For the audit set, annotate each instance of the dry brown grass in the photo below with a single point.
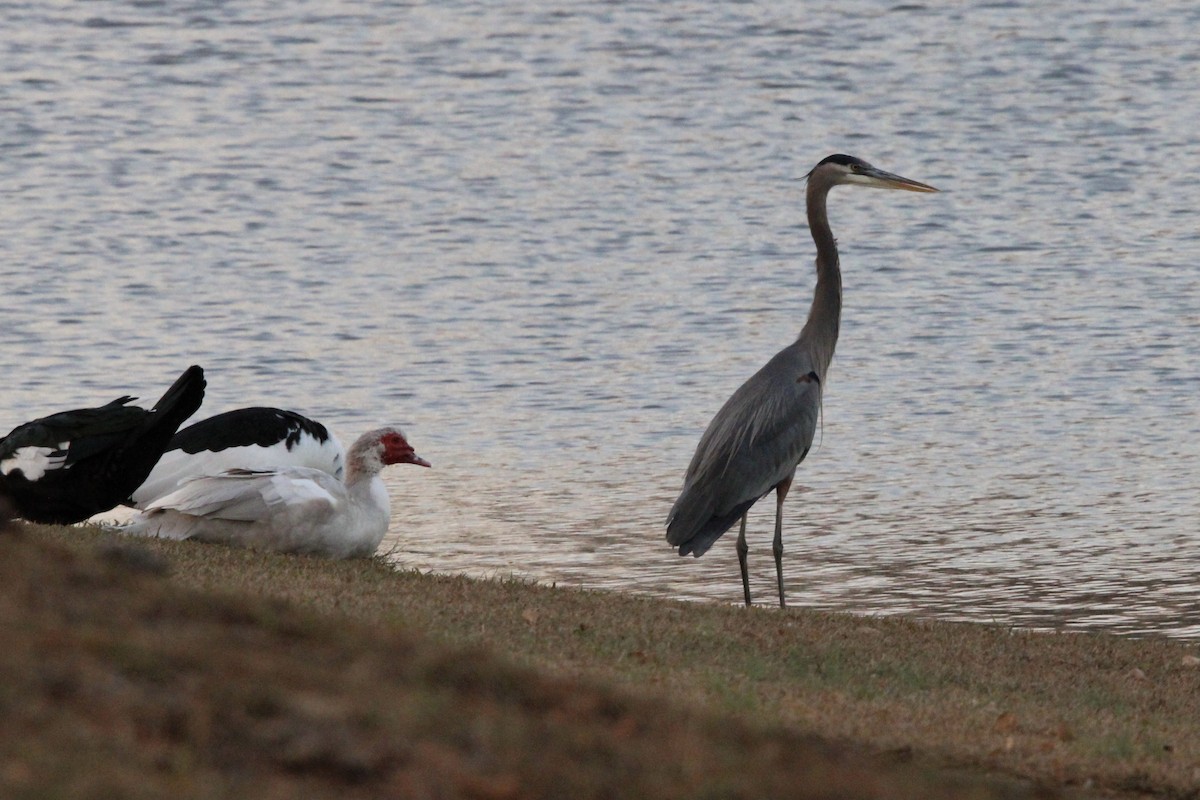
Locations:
(710, 700)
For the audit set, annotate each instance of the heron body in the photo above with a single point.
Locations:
(753, 444)
(766, 428)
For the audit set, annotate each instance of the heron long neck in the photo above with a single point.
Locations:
(820, 332)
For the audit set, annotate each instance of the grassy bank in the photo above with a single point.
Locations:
(211, 671)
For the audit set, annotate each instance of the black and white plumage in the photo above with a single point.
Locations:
(291, 509)
(68, 466)
(255, 438)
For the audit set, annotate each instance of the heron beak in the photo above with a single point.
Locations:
(887, 180)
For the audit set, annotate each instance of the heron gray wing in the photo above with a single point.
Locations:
(753, 443)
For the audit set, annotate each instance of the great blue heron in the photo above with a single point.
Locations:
(763, 432)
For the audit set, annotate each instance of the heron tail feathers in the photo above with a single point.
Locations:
(697, 543)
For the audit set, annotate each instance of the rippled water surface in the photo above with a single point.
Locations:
(550, 239)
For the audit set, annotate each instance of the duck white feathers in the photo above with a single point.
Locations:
(254, 438)
(289, 509)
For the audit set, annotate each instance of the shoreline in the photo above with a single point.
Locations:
(1057, 713)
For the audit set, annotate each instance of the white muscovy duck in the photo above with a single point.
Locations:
(68, 466)
(290, 509)
(255, 438)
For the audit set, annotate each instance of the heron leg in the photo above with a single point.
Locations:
(742, 549)
(777, 547)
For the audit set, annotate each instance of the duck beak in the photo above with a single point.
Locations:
(413, 458)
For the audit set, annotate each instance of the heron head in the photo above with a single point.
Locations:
(842, 169)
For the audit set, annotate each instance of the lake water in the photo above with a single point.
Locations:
(551, 238)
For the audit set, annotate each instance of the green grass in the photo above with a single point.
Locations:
(634, 696)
